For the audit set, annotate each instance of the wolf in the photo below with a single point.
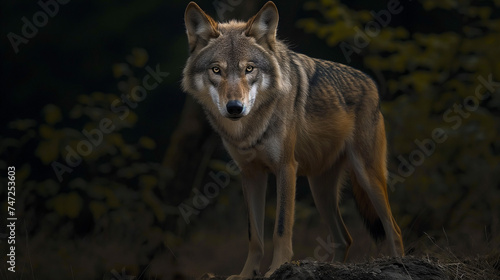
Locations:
(297, 116)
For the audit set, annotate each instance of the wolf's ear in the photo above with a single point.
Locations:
(200, 27)
(264, 24)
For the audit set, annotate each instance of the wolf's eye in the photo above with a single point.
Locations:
(216, 70)
(249, 69)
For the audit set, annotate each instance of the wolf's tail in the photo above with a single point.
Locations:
(367, 210)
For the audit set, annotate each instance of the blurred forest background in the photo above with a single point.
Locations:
(115, 209)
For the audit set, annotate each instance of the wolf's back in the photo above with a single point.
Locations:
(335, 86)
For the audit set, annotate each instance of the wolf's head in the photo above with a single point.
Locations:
(232, 63)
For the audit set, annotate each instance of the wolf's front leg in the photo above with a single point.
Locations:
(282, 237)
(254, 189)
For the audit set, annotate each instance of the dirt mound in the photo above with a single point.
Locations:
(380, 269)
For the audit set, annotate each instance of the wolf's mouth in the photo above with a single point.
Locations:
(234, 118)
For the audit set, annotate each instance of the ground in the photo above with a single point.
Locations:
(386, 269)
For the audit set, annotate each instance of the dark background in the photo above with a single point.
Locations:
(117, 213)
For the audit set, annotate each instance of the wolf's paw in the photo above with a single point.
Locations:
(269, 273)
(274, 266)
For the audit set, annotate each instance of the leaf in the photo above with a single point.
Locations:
(22, 125)
(147, 143)
(69, 205)
(98, 209)
(48, 151)
(52, 114)
(47, 132)
(121, 69)
(148, 181)
(139, 57)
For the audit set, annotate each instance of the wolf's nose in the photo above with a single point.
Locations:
(234, 108)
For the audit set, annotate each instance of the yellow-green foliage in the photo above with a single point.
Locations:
(114, 189)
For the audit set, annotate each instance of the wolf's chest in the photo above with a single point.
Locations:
(266, 152)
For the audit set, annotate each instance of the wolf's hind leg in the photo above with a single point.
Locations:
(325, 189)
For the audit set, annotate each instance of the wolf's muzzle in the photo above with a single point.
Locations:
(234, 109)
